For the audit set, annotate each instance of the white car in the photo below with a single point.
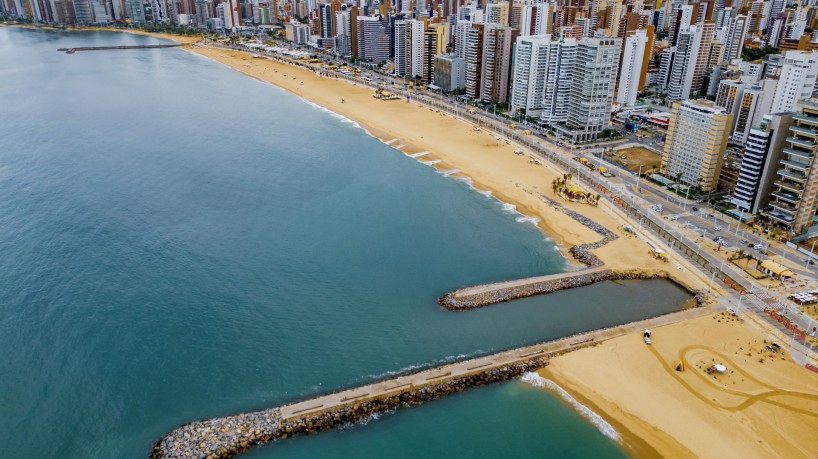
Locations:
(718, 228)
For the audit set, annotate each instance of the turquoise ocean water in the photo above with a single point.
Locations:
(178, 241)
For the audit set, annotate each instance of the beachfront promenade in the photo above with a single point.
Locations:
(232, 435)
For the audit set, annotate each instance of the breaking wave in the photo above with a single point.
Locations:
(538, 381)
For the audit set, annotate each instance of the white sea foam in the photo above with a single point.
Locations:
(486, 193)
(448, 172)
(418, 155)
(398, 147)
(389, 142)
(417, 366)
(431, 163)
(527, 219)
(465, 179)
(334, 114)
(510, 208)
(538, 381)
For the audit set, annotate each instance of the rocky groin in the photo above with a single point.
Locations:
(233, 435)
(487, 295)
(582, 252)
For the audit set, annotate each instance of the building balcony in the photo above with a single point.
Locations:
(792, 174)
(803, 130)
(796, 164)
(806, 119)
(784, 207)
(789, 186)
(802, 142)
(800, 153)
(778, 216)
(791, 197)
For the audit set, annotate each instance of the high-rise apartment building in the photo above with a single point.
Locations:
(794, 197)
(373, 39)
(414, 48)
(343, 37)
(761, 159)
(688, 60)
(472, 46)
(450, 72)
(756, 101)
(594, 69)
(736, 30)
(695, 143)
(796, 80)
(529, 74)
(497, 43)
(559, 79)
(631, 67)
(434, 44)
(497, 13)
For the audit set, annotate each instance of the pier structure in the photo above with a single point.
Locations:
(105, 48)
(232, 435)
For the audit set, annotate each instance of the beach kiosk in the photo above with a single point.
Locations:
(776, 270)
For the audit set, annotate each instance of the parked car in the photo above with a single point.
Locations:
(695, 209)
(718, 228)
(809, 262)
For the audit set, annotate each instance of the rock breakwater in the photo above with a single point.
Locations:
(487, 295)
(232, 435)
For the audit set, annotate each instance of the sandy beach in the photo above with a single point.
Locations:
(490, 163)
(764, 405)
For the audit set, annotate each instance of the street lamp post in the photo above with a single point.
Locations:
(806, 263)
(638, 178)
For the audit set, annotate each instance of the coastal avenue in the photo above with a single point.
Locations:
(711, 266)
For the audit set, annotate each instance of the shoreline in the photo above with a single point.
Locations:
(554, 225)
(181, 39)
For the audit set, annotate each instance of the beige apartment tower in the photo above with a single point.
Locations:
(695, 144)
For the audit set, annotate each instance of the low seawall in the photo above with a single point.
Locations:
(488, 294)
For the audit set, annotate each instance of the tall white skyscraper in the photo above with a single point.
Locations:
(631, 67)
(399, 31)
(414, 47)
(734, 37)
(589, 107)
(796, 81)
(559, 78)
(530, 74)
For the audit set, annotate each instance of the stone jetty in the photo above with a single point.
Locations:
(487, 294)
(108, 48)
(232, 435)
